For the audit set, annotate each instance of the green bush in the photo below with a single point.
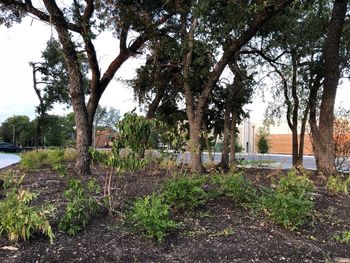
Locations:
(150, 215)
(184, 192)
(19, 220)
(239, 188)
(54, 157)
(291, 203)
(11, 179)
(34, 160)
(338, 184)
(70, 155)
(81, 205)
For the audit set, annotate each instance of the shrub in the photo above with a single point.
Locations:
(81, 204)
(184, 192)
(291, 203)
(54, 157)
(19, 220)
(70, 155)
(34, 160)
(338, 184)
(239, 188)
(150, 215)
(262, 141)
(11, 179)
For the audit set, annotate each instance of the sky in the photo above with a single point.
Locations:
(23, 43)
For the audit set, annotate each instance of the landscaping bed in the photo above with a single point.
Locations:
(218, 230)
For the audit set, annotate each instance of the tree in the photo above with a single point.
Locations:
(217, 18)
(50, 85)
(290, 49)
(80, 20)
(18, 130)
(263, 142)
(322, 130)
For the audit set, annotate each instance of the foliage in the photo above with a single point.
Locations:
(184, 192)
(341, 132)
(134, 132)
(17, 218)
(150, 215)
(263, 142)
(81, 204)
(19, 128)
(343, 237)
(56, 130)
(239, 188)
(34, 160)
(338, 184)
(11, 179)
(291, 203)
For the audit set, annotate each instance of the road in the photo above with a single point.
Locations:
(7, 159)
(280, 160)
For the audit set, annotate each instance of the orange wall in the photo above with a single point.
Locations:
(282, 143)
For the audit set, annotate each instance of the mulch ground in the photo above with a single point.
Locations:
(202, 236)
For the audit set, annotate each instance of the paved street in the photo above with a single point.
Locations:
(7, 159)
(280, 160)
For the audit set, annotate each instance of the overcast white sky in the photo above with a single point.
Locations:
(23, 43)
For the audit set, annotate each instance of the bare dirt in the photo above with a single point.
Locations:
(202, 236)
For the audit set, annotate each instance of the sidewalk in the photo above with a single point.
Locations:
(7, 159)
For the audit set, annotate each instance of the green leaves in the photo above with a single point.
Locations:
(17, 218)
(150, 215)
(291, 203)
(81, 204)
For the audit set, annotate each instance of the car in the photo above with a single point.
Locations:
(9, 147)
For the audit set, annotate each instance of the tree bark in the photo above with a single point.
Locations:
(233, 137)
(76, 90)
(323, 142)
(227, 125)
(295, 112)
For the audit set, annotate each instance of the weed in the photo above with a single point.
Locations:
(150, 215)
(291, 203)
(338, 184)
(34, 160)
(81, 204)
(11, 179)
(343, 237)
(239, 188)
(19, 220)
(185, 192)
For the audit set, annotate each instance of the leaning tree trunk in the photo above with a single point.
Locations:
(323, 142)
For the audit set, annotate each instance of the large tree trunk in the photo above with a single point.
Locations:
(195, 147)
(208, 146)
(323, 142)
(226, 136)
(76, 90)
